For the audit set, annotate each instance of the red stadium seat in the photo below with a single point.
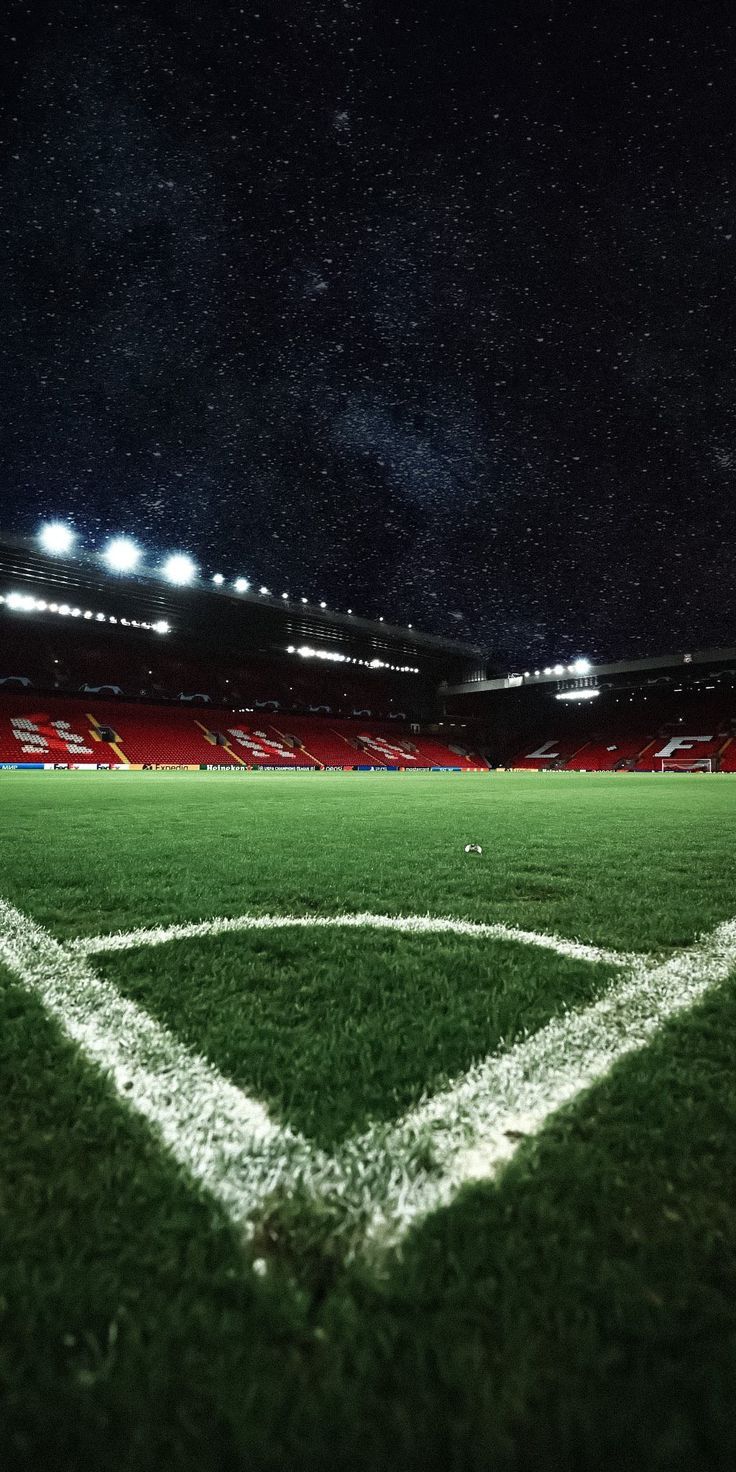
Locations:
(90, 730)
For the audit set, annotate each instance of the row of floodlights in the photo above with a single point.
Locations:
(123, 555)
(578, 667)
(306, 652)
(24, 603)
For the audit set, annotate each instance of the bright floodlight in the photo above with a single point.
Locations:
(582, 666)
(121, 555)
(179, 568)
(241, 585)
(585, 693)
(218, 580)
(55, 537)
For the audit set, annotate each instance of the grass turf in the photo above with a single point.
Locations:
(578, 1313)
(383, 1017)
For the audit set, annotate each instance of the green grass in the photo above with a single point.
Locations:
(622, 860)
(579, 1313)
(384, 1017)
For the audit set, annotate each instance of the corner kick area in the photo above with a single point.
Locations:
(324, 1139)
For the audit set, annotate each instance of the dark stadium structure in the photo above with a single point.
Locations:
(617, 715)
(68, 628)
(226, 647)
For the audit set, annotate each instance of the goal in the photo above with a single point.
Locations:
(696, 764)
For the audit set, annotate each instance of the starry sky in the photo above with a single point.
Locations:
(425, 310)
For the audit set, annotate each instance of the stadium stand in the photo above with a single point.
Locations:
(638, 752)
(105, 731)
(679, 745)
(400, 749)
(320, 739)
(727, 755)
(606, 754)
(547, 753)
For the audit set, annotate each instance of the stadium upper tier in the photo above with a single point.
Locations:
(221, 618)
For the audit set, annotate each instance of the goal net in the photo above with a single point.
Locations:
(695, 764)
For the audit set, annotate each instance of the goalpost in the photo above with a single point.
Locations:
(695, 764)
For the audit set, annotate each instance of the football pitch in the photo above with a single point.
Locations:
(326, 1145)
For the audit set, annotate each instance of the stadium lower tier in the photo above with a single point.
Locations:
(643, 752)
(119, 734)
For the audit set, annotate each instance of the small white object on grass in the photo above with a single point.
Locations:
(473, 848)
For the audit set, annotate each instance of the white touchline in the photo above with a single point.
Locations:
(158, 935)
(223, 1139)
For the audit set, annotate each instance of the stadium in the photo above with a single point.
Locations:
(377, 1115)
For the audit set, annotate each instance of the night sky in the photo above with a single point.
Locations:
(425, 310)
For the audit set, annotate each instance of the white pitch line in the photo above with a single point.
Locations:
(377, 1185)
(225, 1140)
(474, 1127)
(158, 935)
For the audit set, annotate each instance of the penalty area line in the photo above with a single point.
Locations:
(158, 935)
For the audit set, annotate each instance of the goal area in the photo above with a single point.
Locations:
(695, 764)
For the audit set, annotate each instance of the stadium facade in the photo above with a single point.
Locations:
(69, 627)
(67, 623)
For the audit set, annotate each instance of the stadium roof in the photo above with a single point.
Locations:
(259, 621)
(560, 675)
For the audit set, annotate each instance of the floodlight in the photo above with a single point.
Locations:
(55, 537)
(582, 666)
(284, 595)
(559, 669)
(218, 579)
(121, 555)
(304, 600)
(323, 605)
(241, 585)
(264, 591)
(179, 568)
(587, 693)
(161, 626)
